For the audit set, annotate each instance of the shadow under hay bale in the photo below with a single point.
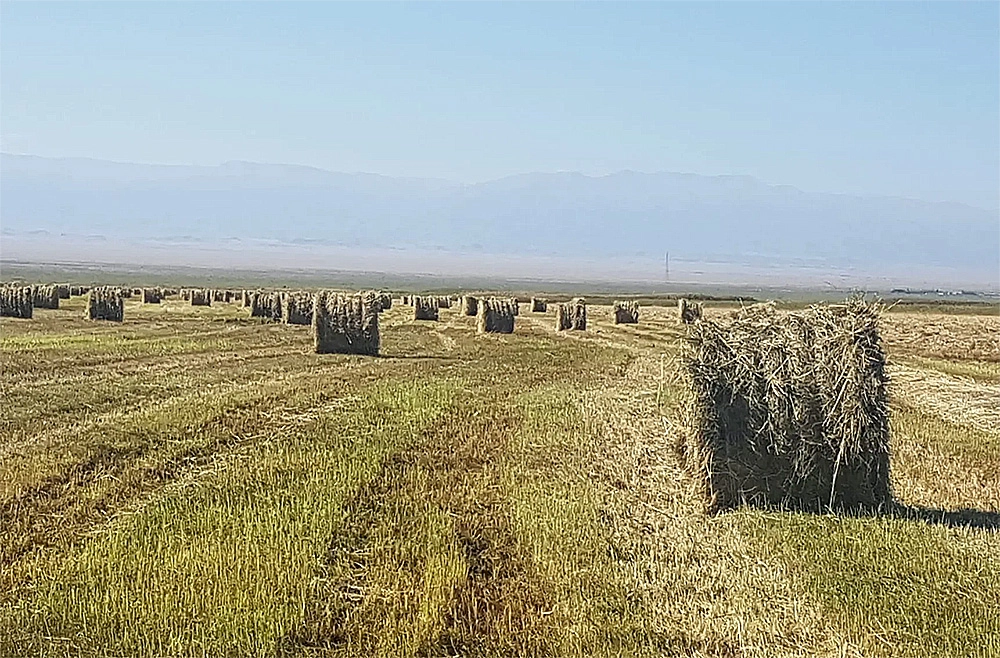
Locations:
(106, 303)
(539, 305)
(626, 312)
(201, 297)
(469, 305)
(688, 312)
(495, 316)
(425, 308)
(345, 324)
(788, 410)
(572, 315)
(297, 308)
(45, 297)
(16, 302)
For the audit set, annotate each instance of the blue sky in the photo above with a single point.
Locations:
(870, 98)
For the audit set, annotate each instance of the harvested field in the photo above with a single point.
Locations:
(192, 481)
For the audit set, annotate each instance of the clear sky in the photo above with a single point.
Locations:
(872, 98)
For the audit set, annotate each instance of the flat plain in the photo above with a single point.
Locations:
(192, 482)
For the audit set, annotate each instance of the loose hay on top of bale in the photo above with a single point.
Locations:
(469, 305)
(106, 303)
(297, 308)
(425, 308)
(16, 302)
(201, 297)
(495, 316)
(539, 305)
(151, 296)
(45, 297)
(788, 410)
(626, 312)
(572, 315)
(345, 324)
(688, 312)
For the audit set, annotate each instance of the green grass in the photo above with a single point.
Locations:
(192, 483)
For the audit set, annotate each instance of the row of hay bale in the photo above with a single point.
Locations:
(16, 301)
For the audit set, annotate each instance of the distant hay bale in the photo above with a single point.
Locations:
(76, 291)
(63, 291)
(126, 293)
(217, 295)
(444, 301)
(45, 297)
(404, 300)
(106, 303)
(151, 296)
(245, 298)
(515, 305)
(345, 324)
(266, 305)
(469, 305)
(788, 410)
(572, 315)
(297, 308)
(626, 312)
(688, 312)
(201, 297)
(185, 294)
(385, 301)
(425, 308)
(539, 305)
(495, 316)
(16, 302)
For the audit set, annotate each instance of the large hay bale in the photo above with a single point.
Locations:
(201, 297)
(470, 305)
(788, 410)
(572, 315)
(45, 297)
(151, 296)
(344, 324)
(688, 312)
(16, 302)
(495, 316)
(267, 305)
(539, 305)
(297, 308)
(626, 312)
(106, 303)
(425, 308)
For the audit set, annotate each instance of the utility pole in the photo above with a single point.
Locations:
(666, 267)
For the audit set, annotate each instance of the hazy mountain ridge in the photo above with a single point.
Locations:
(619, 215)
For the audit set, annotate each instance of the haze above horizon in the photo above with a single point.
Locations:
(892, 99)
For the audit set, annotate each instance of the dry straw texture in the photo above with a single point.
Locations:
(572, 315)
(45, 297)
(626, 312)
(470, 305)
(297, 308)
(688, 312)
(106, 303)
(495, 316)
(345, 324)
(538, 305)
(425, 308)
(788, 410)
(16, 302)
(201, 297)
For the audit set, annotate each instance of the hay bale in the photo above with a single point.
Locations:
(76, 291)
(444, 301)
(788, 410)
(62, 291)
(17, 302)
(106, 303)
(245, 298)
(267, 305)
(425, 308)
(516, 305)
(297, 308)
(151, 296)
(626, 312)
(45, 297)
(689, 312)
(404, 300)
(385, 301)
(469, 305)
(344, 324)
(185, 294)
(201, 297)
(495, 316)
(572, 315)
(539, 305)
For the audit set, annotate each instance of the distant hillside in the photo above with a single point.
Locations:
(622, 215)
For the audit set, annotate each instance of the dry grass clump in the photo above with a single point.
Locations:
(572, 315)
(16, 302)
(151, 295)
(106, 303)
(469, 305)
(45, 297)
(345, 324)
(539, 305)
(689, 312)
(297, 308)
(495, 316)
(425, 308)
(200, 297)
(626, 312)
(788, 410)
